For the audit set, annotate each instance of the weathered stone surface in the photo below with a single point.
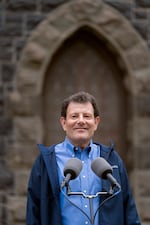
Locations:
(142, 157)
(3, 208)
(34, 54)
(142, 104)
(11, 30)
(23, 105)
(28, 79)
(8, 72)
(142, 28)
(143, 3)
(142, 80)
(124, 37)
(140, 14)
(6, 55)
(138, 57)
(107, 20)
(21, 5)
(142, 187)
(143, 206)
(21, 182)
(84, 10)
(123, 7)
(28, 129)
(22, 155)
(33, 21)
(2, 147)
(141, 131)
(6, 176)
(107, 24)
(16, 209)
(138, 83)
(5, 126)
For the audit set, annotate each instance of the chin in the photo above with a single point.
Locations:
(81, 141)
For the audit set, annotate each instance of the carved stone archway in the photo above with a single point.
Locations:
(120, 37)
(107, 23)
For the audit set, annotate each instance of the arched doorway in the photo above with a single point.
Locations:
(120, 52)
(84, 62)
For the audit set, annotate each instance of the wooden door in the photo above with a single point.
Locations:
(84, 63)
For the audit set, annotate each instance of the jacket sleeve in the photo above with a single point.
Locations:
(130, 210)
(33, 195)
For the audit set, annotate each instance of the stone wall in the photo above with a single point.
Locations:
(18, 19)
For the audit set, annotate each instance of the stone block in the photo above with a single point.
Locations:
(22, 155)
(21, 5)
(143, 3)
(125, 38)
(21, 182)
(140, 181)
(11, 30)
(28, 129)
(34, 20)
(140, 14)
(3, 212)
(123, 7)
(142, 104)
(6, 176)
(142, 28)
(138, 57)
(142, 158)
(8, 72)
(5, 42)
(2, 146)
(141, 131)
(5, 126)
(16, 209)
(23, 105)
(143, 208)
(5, 54)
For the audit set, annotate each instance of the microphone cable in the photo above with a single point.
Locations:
(102, 203)
(66, 196)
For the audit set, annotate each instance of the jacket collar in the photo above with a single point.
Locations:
(48, 154)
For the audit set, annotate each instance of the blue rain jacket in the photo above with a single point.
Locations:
(43, 206)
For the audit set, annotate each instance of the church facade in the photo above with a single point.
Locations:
(53, 48)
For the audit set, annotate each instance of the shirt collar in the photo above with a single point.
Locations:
(73, 148)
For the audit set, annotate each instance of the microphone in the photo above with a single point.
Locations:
(104, 170)
(72, 169)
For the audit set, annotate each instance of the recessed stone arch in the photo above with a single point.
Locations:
(25, 102)
(107, 23)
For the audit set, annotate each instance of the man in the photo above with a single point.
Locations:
(48, 202)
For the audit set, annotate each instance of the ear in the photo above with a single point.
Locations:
(63, 122)
(97, 121)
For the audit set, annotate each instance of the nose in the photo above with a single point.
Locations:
(81, 119)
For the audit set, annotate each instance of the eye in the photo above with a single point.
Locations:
(87, 116)
(74, 116)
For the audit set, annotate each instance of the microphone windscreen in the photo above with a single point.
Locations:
(101, 167)
(73, 167)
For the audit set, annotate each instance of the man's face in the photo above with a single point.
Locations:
(80, 123)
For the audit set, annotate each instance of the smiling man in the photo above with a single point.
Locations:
(80, 123)
(47, 203)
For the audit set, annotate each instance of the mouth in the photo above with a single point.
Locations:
(81, 128)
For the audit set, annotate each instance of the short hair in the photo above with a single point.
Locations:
(79, 97)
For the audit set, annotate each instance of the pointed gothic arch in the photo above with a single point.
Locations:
(107, 24)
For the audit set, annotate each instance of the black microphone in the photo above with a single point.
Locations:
(71, 170)
(104, 170)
